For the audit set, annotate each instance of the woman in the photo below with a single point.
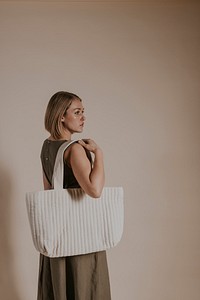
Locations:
(80, 277)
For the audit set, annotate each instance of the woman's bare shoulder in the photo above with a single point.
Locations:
(74, 150)
(76, 147)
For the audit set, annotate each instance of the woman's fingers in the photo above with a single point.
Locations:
(88, 144)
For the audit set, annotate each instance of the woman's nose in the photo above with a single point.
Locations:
(83, 117)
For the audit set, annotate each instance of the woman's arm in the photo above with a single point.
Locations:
(90, 179)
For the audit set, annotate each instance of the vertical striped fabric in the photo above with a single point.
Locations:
(69, 222)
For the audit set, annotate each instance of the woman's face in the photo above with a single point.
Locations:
(73, 121)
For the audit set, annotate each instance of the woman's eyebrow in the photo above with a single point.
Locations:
(78, 108)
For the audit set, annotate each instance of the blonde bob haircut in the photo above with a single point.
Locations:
(56, 109)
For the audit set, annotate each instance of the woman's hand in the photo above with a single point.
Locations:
(89, 145)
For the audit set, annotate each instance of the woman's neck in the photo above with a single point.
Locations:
(65, 135)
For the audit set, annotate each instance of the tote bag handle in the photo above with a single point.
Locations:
(58, 171)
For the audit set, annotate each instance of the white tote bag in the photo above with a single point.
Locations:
(67, 222)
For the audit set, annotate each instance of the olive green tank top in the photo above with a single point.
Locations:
(48, 157)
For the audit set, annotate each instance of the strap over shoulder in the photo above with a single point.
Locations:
(58, 171)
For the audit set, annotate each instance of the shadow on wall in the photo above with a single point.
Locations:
(8, 288)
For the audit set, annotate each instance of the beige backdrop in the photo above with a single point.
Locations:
(136, 65)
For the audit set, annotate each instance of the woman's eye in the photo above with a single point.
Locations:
(78, 112)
